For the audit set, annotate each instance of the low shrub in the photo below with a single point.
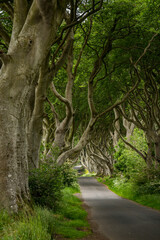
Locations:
(69, 175)
(46, 184)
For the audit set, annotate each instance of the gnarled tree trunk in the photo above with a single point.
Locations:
(32, 35)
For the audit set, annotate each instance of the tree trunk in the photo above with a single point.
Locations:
(14, 98)
(157, 150)
(75, 151)
(32, 37)
(63, 133)
(35, 124)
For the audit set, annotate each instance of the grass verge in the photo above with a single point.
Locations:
(44, 224)
(131, 191)
(88, 174)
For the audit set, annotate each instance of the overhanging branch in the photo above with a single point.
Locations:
(4, 35)
(81, 18)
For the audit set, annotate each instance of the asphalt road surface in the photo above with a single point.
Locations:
(118, 218)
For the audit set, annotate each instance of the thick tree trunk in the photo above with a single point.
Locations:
(14, 98)
(31, 40)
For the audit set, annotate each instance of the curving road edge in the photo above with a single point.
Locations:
(118, 218)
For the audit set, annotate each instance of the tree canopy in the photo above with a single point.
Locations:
(75, 77)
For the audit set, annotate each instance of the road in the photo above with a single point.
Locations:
(118, 218)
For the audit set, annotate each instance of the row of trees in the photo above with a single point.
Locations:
(65, 66)
(129, 55)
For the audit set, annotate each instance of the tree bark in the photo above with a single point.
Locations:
(35, 127)
(32, 37)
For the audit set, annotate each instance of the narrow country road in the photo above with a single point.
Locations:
(118, 218)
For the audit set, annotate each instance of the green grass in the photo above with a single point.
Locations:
(44, 224)
(131, 191)
(150, 200)
(71, 222)
(29, 228)
(88, 174)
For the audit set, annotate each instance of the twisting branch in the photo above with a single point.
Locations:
(62, 99)
(96, 69)
(119, 102)
(136, 122)
(80, 19)
(7, 7)
(56, 66)
(127, 143)
(145, 50)
(139, 108)
(4, 35)
(101, 152)
(136, 84)
(156, 109)
(60, 45)
(82, 49)
(54, 112)
(59, 96)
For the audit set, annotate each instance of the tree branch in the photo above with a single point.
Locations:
(7, 7)
(145, 50)
(82, 49)
(119, 102)
(80, 19)
(64, 54)
(4, 35)
(20, 14)
(62, 99)
(101, 152)
(54, 112)
(129, 144)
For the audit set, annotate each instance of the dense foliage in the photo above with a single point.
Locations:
(46, 184)
(132, 178)
(90, 68)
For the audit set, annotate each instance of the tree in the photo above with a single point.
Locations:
(23, 76)
(117, 29)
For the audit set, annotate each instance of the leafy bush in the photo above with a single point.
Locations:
(46, 184)
(69, 175)
(128, 162)
(132, 178)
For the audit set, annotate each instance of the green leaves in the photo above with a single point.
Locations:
(45, 185)
(47, 182)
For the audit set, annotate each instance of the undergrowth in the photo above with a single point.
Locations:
(132, 178)
(88, 174)
(44, 224)
(142, 194)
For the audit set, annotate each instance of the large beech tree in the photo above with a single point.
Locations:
(23, 83)
(33, 33)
